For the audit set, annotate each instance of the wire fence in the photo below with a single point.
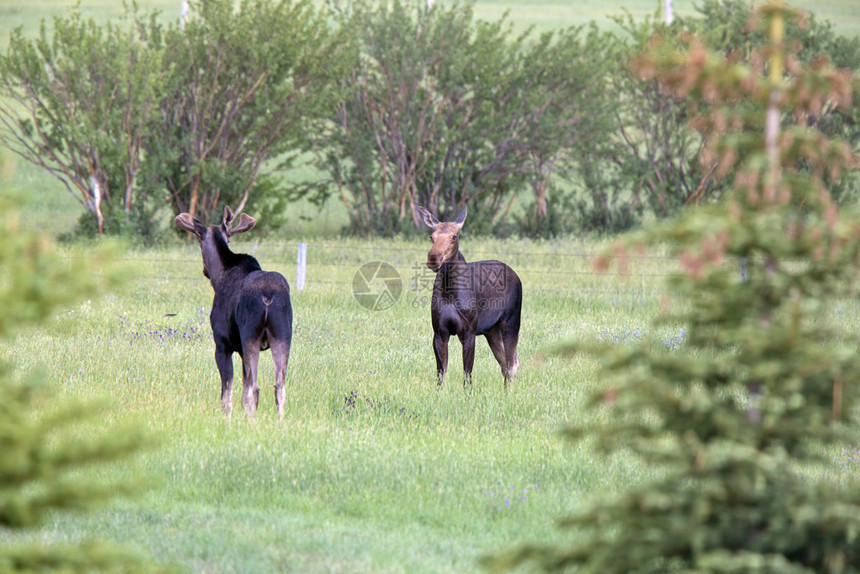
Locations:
(548, 271)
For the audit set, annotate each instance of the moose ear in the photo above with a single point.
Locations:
(227, 221)
(246, 222)
(461, 219)
(428, 218)
(189, 223)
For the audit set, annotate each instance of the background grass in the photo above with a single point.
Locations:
(544, 14)
(374, 469)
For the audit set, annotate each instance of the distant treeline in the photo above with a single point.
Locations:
(390, 104)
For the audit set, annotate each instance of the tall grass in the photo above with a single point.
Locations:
(373, 468)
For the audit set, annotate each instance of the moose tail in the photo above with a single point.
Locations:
(267, 301)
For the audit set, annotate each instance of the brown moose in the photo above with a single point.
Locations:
(469, 299)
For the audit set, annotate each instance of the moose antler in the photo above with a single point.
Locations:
(246, 222)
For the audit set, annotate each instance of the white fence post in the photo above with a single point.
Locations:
(301, 266)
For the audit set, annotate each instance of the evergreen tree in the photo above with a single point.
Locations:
(44, 445)
(740, 423)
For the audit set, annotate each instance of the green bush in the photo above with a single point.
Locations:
(244, 83)
(395, 104)
(443, 110)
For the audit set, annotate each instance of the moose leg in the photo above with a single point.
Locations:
(250, 390)
(281, 356)
(497, 345)
(468, 341)
(440, 349)
(511, 337)
(224, 360)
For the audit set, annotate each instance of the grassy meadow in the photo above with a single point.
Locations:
(374, 469)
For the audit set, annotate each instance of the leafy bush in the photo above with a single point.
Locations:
(243, 83)
(80, 103)
(442, 110)
(396, 104)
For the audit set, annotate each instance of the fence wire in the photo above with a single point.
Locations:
(555, 267)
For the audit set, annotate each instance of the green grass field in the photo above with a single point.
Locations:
(374, 469)
(544, 15)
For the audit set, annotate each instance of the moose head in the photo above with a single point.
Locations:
(214, 237)
(445, 238)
